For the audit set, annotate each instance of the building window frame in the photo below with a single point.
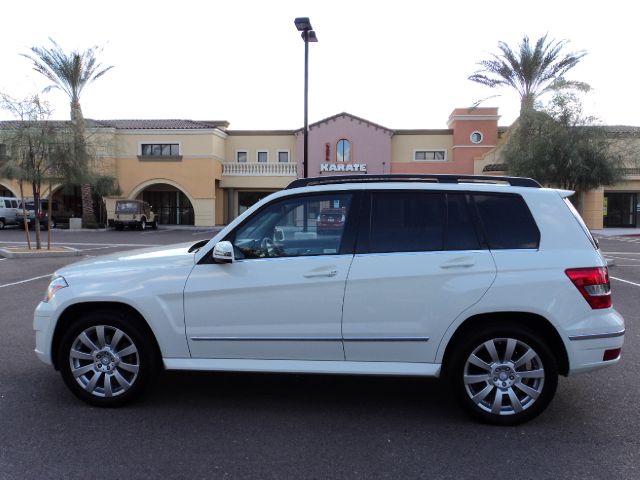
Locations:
(246, 156)
(350, 156)
(427, 151)
(160, 153)
(479, 137)
(288, 160)
(258, 152)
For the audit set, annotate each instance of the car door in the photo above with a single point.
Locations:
(282, 296)
(420, 264)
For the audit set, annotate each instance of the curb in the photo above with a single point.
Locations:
(42, 253)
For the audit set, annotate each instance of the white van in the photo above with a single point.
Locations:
(9, 207)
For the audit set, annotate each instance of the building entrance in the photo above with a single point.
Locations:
(622, 210)
(171, 206)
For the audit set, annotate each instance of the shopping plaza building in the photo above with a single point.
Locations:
(203, 173)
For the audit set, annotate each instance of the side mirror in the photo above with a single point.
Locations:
(223, 252)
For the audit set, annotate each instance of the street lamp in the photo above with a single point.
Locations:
(303, 24)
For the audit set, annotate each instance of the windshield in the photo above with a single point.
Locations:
(127, 207)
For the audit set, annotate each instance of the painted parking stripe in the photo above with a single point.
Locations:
(95, 244)
(625, 258)
(25, 281)
(625, 281)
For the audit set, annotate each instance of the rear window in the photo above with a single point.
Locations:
(406, 222)
(507, 221)
(127, 207)
(580, 221)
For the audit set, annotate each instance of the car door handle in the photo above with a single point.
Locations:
(328, 273)
(459, 264)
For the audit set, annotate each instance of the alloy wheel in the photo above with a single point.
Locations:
(504, 376)
(104, 361)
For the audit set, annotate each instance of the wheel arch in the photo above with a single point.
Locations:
(73, 312)
(534, 322)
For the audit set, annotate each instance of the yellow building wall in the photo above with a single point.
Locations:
(253, 143)
(403, 146)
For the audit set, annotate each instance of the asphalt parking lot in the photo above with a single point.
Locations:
(223, 425)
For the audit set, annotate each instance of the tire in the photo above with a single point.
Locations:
(154, 225)
(143, 224)
(2, 224)
(54, 224)
(106, 360)
(499, 387)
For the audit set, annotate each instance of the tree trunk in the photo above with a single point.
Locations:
(77, 119)
(25, 218)
(36, 213)
(49, 213)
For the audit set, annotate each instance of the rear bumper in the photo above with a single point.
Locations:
(587, 351)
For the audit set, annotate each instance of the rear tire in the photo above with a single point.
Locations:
(503, 374)
(2, 224)
(106, 360)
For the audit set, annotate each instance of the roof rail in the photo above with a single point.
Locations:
(409, 177)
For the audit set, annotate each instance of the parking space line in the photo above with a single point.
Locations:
(25, 281)
(625, 281)
(625, 258)
(93, 244)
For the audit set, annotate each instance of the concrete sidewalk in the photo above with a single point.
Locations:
(616, 232)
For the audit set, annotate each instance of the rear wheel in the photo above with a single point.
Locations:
(106, 360)
(2, 223)
(504, 375)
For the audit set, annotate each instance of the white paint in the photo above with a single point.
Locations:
(25, 281)
(625, 281)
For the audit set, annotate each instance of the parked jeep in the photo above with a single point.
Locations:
(133, 214)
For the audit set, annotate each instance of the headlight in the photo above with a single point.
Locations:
(56, 284)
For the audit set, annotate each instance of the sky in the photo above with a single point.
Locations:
(401, 64)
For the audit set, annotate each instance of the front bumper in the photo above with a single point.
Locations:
(43, 327)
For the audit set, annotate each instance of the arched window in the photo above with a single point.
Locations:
(343, 150)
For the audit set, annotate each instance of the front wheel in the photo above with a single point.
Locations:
(504, 375)
(105, 360)
(143, 224)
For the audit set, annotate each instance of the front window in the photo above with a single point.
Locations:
(293, 227)
(343, 151)
(160, 150)
(430, 155)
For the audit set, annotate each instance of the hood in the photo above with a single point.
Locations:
(139, 260)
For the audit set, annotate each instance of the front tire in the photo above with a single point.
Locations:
(504, 375)
(143, 224)
(106, 360)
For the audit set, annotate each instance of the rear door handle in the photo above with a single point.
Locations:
(328, 273)
(459, 264)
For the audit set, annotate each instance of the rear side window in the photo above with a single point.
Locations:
(460, 232)
(406, 222)
(507, 221)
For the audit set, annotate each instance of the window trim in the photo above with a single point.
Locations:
(342, 162)
(473, 141)
(445, 159)
(237, 157)
(278, 152)
(160, 157)
(258, 152)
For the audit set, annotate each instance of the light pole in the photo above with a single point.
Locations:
(303, 24)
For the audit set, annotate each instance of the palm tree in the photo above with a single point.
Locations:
(71, 72)
(530, 71)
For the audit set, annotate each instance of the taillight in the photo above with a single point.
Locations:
(593, 284)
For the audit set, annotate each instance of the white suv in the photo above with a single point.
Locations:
(493, 283)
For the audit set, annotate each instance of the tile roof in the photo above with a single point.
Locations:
(134, 124)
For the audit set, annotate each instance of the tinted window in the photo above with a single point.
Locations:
(507, 221)
(406, 222)
(460, 232)
(299, 226)
(7, 203)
